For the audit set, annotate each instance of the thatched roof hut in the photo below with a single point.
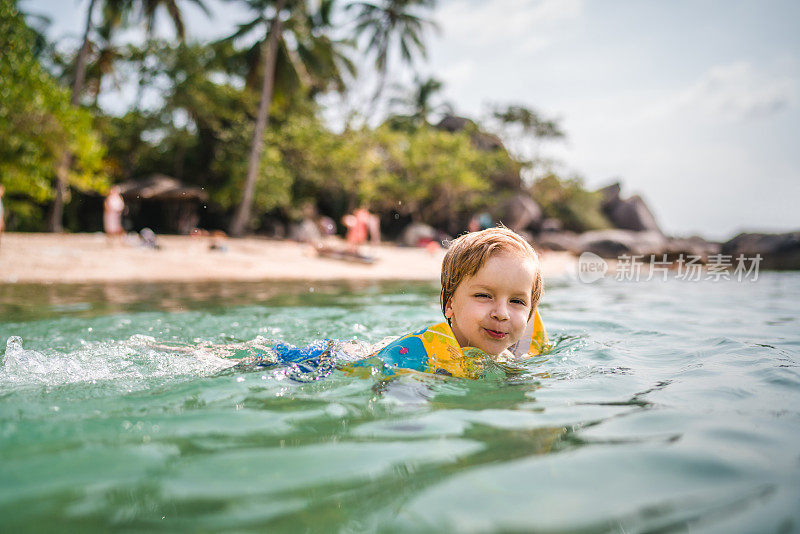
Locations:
(162, 204)
(160, 187)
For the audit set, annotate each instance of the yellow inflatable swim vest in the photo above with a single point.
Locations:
(435, 350)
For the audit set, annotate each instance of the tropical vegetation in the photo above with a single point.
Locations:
(241, 117)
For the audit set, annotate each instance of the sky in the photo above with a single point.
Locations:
(693, 105)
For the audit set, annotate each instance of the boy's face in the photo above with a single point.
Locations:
(490, 310)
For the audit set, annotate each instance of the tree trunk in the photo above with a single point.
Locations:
(56, 216)
(80, 67)
(148, 38)
(373, 105)
(54, 223)
(242, 218)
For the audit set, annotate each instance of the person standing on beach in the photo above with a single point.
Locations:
(112, 214)
(2, 213)
(360, 224)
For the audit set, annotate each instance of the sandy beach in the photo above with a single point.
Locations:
(87, 258)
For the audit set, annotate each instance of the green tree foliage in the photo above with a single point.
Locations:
(525, 130)
(433, 176)
(202, 136)
(37, 125)
(418, 104)
(568, 201)
(200, 112)
(393, 25)
(529, 121)
(295, 46)
(430, 175)
(204, 128)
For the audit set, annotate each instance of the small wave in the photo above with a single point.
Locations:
(136, 358)
(143, 357)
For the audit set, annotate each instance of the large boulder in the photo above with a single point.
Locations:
(520, 213)
(614, 243)
(627, 214)
(686, 247)
(611, 194)
(452, 123)
(305, 231)
(778, 251)
(416, 233)
(551, 225)
(567, 241)
(481, 140)
(508, 177)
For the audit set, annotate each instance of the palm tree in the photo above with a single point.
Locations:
(419, 102)
(148, 13)
(38, 24)
(386, 22)
(296, 52)
(54, 222)
(150, 9)
(529, 121)
(115, 14)
(101, 60)
(525, 125)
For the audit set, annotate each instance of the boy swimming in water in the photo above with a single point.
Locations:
(491, 286)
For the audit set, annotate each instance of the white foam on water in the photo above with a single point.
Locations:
(345, 352)
(137, 358)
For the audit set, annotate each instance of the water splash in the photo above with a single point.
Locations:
(141, 358)
(137, 358)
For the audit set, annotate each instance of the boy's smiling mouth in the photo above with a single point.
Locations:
(495, 333)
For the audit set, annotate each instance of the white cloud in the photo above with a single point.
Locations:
(459, 73)
(732, 92)
(711, 156)
(487, 23)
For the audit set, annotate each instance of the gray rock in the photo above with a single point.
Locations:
(520, 213)
(453, 123)
(480, 139)
(778, 251)
(691, 246)
(633, 214)
(416, 232)
(610, 194)
(614, 243)
(305, 231)
(627, 214)
(567, 241)
(551, 225)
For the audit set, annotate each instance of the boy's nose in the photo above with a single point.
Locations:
(500, 312)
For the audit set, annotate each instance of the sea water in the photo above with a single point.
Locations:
(664, 406)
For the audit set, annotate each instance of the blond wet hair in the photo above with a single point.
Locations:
(469, 252)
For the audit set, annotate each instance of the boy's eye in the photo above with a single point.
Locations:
(518, 301)
(482, 295)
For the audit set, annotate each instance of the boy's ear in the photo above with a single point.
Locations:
(448, 309)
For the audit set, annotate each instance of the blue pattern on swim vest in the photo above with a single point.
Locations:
(406, 352)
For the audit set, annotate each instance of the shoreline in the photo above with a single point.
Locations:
(36, 258)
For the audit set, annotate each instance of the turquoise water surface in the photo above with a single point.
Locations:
(664, 407)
